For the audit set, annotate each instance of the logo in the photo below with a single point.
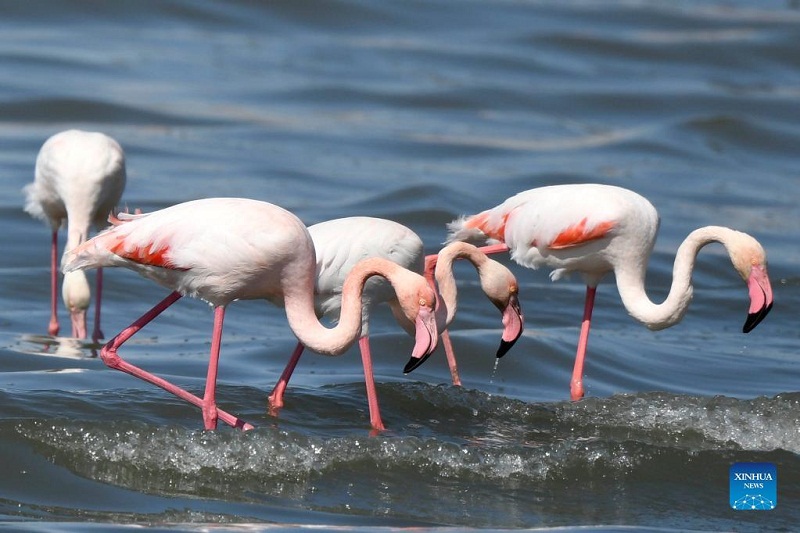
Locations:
(753, 486)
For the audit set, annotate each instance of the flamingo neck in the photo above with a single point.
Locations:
(77, 231)
(299, 301)
(75, 289)
(630, 281)
(444, 273)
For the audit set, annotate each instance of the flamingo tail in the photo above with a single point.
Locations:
(476, 229)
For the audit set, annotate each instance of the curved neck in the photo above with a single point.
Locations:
(630, 281)
(77, 230)
(299, 302)
(444, 273)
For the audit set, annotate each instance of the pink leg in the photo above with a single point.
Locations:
(369, 381)
(276, 398)
(209, 406)
(112, 359)
(494, 248)
(98, 334)
(576, 385)
(451, 358)
(53, 328)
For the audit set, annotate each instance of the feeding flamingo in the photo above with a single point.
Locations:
(595, 229)
(79, 179)
(341, 243)
(226, 249)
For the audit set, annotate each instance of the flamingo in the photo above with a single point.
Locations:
(595, 229)
(226, 249)
(79, 179)
(341, 243)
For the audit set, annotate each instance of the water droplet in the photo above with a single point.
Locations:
(494, 370)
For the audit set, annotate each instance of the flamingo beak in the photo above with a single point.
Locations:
(513, 323)
(760, 297)
(426, 338)
(78, 317)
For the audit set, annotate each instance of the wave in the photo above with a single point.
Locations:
(470, 435)
(453, 451)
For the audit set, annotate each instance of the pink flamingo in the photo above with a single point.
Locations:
(596, 229)
(79, 179)
(341, 243)
(226, 249)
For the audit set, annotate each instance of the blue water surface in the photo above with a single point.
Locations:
(416, 111)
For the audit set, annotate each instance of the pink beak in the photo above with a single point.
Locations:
(426, 338)
(513, 323)
(760, 297)
(78, 318)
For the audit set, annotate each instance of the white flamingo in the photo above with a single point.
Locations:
(341, 243)
(226, 249)
(595, 229)
(79, 179)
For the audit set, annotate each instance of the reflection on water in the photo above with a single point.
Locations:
(67, 347)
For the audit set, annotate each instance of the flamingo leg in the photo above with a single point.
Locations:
(276, 398)
(209, 406)
(369, 381)
(576, 385)
(451, 358)
(490, 249)
(98, 334)
(112, 359)
(53, 328)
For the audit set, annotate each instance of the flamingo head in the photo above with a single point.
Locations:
(77, 295)
(418, 302)
(750, 261)
(502, 289)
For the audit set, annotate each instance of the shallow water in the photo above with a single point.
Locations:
(417, 112)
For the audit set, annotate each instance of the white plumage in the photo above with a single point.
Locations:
(79, 179)
(226, 249)
(341, 243)
(593, 230)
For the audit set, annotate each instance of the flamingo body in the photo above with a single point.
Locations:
(226, 249)
(586, 229)
(341, 243)
(79, 179)
(593, 230)
(191, 248)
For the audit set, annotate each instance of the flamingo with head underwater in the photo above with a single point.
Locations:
(341, 243)
(595, 229)
(79, 179)
(226, 249)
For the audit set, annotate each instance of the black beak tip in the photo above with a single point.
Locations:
(504, 347)
(754, 319)
(413, 363)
